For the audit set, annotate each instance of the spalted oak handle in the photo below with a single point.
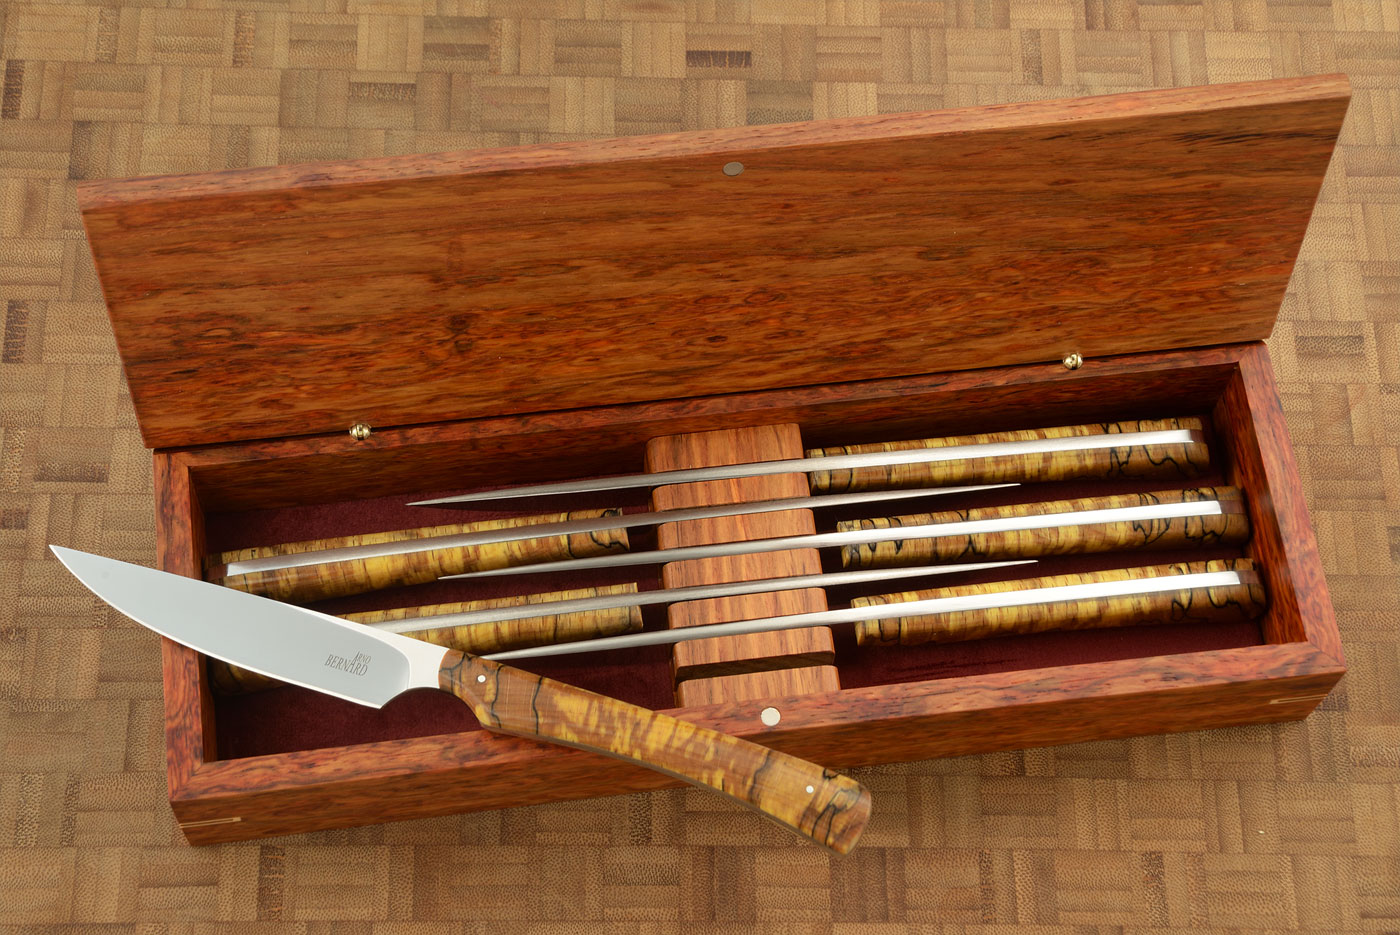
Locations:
(827, 807)
(1220, 604)
(1184, 460)
(356, 576)
(1229, 527)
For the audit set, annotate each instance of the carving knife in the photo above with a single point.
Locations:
(270, 563)
(363, 665)
(1162, 580)
(518, 624)
(1136, 521)
(1035, 467)
(697, 592)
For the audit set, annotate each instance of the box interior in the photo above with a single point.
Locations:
(297, 508)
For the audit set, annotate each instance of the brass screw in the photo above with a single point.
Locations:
(1073, 361)
(359, 431)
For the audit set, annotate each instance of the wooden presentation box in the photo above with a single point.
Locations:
(542, 312)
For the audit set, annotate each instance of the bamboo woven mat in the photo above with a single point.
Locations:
(1291, 828)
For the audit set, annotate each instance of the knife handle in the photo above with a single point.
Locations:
(1176, 461)
(522, 632)
(355, 576)
(1222, 604)
(827, 807)
(1230, 527)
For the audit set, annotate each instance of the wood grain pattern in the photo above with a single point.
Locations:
(553, 446)
(1284, 544)
(796, 658)
(836, 413)
(918, 221)
(1244, 601)
(767, 686)
(1157, 833)
(355, 576)
(335, 787)
(1230, 527)
(1174, 462)
(825, 806)
(423, 777)
(479, 638)
(188, 703)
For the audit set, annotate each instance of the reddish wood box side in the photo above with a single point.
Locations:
(237, 799)
(1262, 462)
(397, 780)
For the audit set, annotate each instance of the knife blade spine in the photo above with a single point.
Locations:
(938, 605)
(677, 595)
(833, 463)
(865, 536)
(349, 553)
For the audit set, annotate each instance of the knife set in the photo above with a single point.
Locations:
(935, 544)
(922, 435)
(247, 652)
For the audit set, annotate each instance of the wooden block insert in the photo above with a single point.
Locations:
(793, 661)
(757, 686)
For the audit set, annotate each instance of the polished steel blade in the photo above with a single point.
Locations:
(937, 605)
(676, 595)
(295, 645)
(823, 540)
(832, 463)
(572, 527)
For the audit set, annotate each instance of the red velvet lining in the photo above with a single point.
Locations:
(289, 718)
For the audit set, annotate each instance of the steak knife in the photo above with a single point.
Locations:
(371, 667)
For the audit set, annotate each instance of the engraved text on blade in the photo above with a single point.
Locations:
(357, 666)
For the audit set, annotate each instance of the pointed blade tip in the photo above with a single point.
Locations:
(420, 659)
(73, 559)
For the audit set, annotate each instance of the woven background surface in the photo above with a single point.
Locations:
(1292, 828)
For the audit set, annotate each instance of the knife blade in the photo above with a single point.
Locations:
(697, 592)
(1169, 581)
(363, 665)
(827, 463)
(1135, 515)
(267, 563)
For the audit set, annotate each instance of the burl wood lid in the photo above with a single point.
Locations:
(302, 299)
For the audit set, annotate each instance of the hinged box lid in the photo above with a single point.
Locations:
(303, 299)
